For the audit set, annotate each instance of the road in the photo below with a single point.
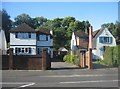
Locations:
(107, 77)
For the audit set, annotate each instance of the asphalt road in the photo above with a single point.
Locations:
(60, 78)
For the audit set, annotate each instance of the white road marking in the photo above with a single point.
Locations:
(27, 85)
(90, 81)
(79, 75)
(23, 84)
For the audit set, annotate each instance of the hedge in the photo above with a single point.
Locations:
(111, 56)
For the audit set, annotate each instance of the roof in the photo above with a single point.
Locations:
(25, 28)
(97, 33)
(62, 49)
(81, 34)
(22, 28)
(43, 31)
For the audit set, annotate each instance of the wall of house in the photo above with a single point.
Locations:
(49, 42)
(97, 54)
(73, 42)
(46, 44)
(22, 41)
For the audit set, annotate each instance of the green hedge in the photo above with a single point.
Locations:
(111, 56)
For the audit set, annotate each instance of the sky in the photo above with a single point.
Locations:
(97, 13)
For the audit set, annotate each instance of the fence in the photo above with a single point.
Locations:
(26, 62)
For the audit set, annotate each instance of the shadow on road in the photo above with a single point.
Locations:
(99, 66)
(65, 68)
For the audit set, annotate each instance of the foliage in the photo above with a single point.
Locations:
(111, 56)
(101, 62)
(8, 45)
(62, 27)
(114, 29)
(24, 18)
(71, 58)
(6, 23)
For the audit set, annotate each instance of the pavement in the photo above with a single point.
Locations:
(69, 76)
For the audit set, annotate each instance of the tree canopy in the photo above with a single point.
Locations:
(6, 23)
(62, 27)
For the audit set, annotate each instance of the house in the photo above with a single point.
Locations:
(28, 41)
(81, 45)
(79, 41)
(101, 39)
(3, 43)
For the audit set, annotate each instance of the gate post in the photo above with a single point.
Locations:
(10, 58)
(44, 58)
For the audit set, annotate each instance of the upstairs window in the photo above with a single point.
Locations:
(23, 35)
(43, 37)
(105, 39)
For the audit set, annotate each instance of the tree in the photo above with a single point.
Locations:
(24, 18)
(114, 29)
(6, 23)
(39, 21)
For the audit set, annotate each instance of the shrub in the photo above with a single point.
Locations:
(71, 58)
(111, 56)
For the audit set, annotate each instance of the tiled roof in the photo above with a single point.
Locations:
(81, 34)
(43, 31)
(22, 28)
(25, 28)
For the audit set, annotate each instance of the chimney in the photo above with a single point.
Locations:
(90, 37)
(90, 49)
(51, 32)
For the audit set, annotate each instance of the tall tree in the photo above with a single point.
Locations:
(24, 18)
(6, 23)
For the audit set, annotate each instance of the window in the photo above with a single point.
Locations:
(105, 39)
(16, 35)
(29, 34)
(22, 50)
(29, 50)
(39, 50)
(16, 50)
(42, 37)
(23, 35)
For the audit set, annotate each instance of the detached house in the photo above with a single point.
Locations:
(79, 41)
(28, 41)
(101, 39)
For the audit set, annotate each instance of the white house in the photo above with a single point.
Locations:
(3, 43)
(79, 41)
(101, 39)
(28, 41)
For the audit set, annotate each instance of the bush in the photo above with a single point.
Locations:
(111, 56)
(101, 62)
(71, 58)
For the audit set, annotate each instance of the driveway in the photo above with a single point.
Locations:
(60, 65)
